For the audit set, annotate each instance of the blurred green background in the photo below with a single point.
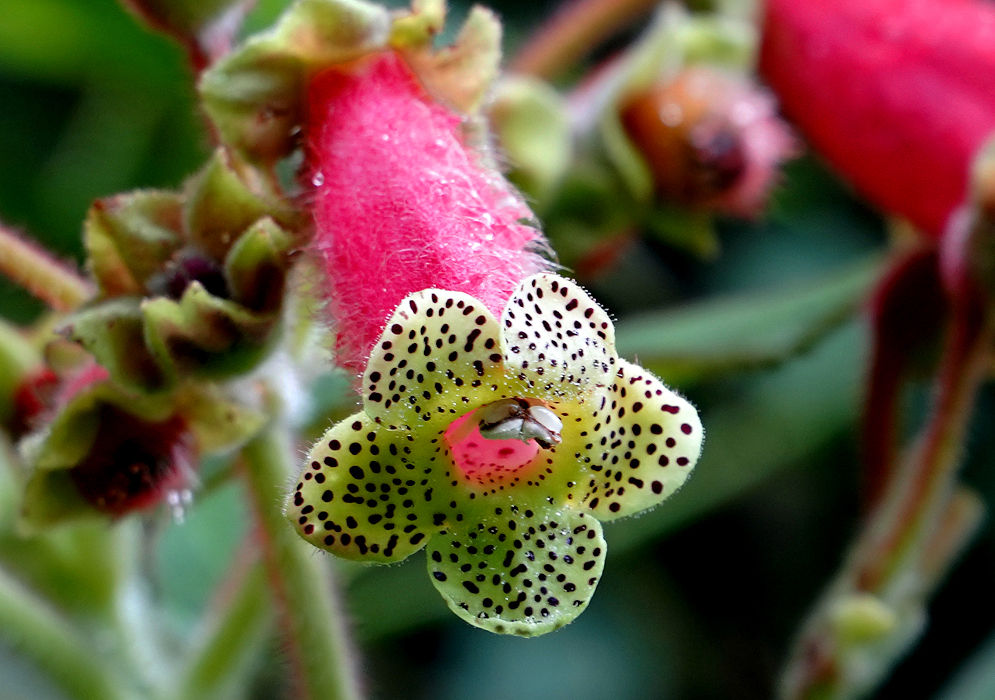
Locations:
(699, 598)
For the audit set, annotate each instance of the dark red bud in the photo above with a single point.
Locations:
(188, 265)
(133, 463)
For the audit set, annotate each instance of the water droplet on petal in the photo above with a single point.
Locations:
(319, 179)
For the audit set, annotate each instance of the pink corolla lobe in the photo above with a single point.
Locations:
(403, 203)
(897, 94)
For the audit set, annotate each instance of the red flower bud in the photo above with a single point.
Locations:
(897, 94)
(133, 463)
(711, 139)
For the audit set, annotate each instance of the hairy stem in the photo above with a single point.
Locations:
(572, 31)
(299, 577)
(36, 630)
(37, 271)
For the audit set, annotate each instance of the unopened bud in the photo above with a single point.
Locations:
(711, 139)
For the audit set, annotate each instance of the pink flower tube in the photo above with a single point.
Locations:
(402, 203)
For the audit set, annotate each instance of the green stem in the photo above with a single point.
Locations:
(37, 271)
(34, 629)
(233, 638)
(299, 577)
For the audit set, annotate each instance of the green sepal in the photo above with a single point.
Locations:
(114, 333)
(420, 25)
(129, 237)
(217, 423)
(18, 359)
(220, 204)
(69, 437)
(533, 128)
(51, 498)
(460, 75)
(204, 336)
(256, 266)
(254, 94)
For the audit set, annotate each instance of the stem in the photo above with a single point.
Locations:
(37, 271)
(34, 629)
(299, 577)
(920, 491)
(232, 640)
(908, 314)
(912, 535)
(570, 33)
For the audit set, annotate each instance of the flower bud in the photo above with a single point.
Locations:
(104, 451)
(710, 139)
(896, 95)
(191, 283)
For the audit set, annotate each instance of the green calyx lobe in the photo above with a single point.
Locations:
(191, 283)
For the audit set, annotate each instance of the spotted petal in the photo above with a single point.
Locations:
(439, 356)
(646, 444)
(361, 496)
(557, 340)
(512, 570)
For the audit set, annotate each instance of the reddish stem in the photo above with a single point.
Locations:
(36, 270)
(570, 33)
(908, 310)
(919, 492)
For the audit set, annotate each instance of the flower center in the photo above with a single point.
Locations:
(495, 443)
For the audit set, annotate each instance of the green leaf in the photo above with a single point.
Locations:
(739, 333)
(687, 229)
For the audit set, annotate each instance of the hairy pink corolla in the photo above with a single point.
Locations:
(898, 95)
(402, 202)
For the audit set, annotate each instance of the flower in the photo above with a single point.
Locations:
(499, 445)
(896, 95)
